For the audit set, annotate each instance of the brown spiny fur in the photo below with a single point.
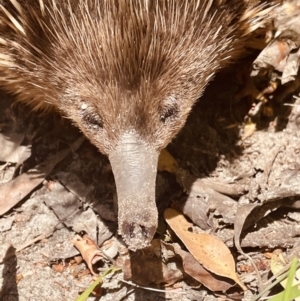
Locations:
(134, 64)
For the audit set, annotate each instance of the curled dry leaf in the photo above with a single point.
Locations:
(110, 248)
(89, 251)
(242, 214)
(209, 250)
(274, 55)
(282, 53)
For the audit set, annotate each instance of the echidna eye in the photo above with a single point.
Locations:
(169, 114)
(94, 121)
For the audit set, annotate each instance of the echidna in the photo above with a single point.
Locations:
(127, 73)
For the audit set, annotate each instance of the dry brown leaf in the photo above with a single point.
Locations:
(193, 268)
(241, 221)
(58, 267)
(11, 148)
(209, 250)
(89, 251)
(202, 200)
(12, 192)
(167, 162)
(98, 291)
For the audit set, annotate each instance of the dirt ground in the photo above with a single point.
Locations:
(247, 196)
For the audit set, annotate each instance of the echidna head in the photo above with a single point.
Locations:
(131, 120)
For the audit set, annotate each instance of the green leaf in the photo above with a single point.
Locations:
(89, 290)
(289, 283)
(294, 292)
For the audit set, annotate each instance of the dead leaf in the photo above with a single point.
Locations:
(89, 251)
(243, 212)
(58, 267)
(275, 55)
(98, 291)
(202, 200)
(59, 198)
(204, 197)
(249, 129)
(11, 193)
(249, 214)
(229, 189)
(193, 268)
(11, 148)
(209, 250)
(110, 248)
(167, 162)
(282, 53)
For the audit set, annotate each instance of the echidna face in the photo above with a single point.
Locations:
(131, 127)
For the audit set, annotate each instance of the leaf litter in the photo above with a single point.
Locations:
(209, 250)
